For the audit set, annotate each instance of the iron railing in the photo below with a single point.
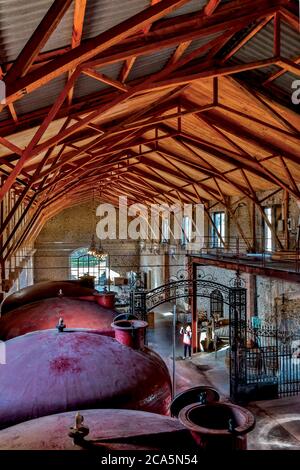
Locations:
(269, 356)
(242, 251)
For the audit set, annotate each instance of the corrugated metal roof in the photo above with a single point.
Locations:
(263, 74)
(86, 85)
(4, 115)
(42, 97)
(102, 15)
(290, 42)
(145, 65)
(261, 45)
(19, 19)
(285, 81)
(190, 7)
(200, 42)
(62, 35)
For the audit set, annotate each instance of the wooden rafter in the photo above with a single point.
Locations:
(158, 151)
(211, 6)
(71, 59)
(38, 40)
(79, 15)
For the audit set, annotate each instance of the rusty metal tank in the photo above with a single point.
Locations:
(130, 332)
(49, 372)
(45, 290)
(107, 429)
(221, 426)
(200, 394)
(44, 314)
(106, 299)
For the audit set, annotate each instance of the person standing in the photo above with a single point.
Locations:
(187, 340)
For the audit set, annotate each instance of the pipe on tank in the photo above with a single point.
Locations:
(218, 425)
(106, 299)
(200, 394)
(130, 332)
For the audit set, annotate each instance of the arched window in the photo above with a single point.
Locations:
(216, 304)
(82, 263)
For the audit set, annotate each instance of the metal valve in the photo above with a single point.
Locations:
(60, 325)
(78, 431)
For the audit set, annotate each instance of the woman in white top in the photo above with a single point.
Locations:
(187, 340)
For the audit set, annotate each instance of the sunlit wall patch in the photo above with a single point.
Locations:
(2, 92)
(2, 353)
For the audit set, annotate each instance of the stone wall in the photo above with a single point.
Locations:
(279, 299)
(269, 292)
(242, 210)
(70, 230)
(224, 277)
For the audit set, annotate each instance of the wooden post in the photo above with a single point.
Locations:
(166, 267)
(286, 217)
(253, 227)
(194, 308)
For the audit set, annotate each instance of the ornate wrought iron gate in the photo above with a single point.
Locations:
(264, 358)
(235, 297)
(266, 362)
(143, 301)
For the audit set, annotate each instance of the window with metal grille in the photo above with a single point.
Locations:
(217, 229)
(216, 304)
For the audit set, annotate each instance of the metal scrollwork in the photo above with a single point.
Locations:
(183, 289)
(237, 281)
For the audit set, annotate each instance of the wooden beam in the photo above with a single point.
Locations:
(253, 226)
(271, 127)
(292, 18)
(79, 14)
(129, 63)
(38, 40)
(104, 79)
(28, 186)
(180, 50)
(286, 215)
(277, 35)
(155, 108)
(290, 176)
(247, 163)
(183, 78)
(13, 112)
(89, 49)
(149, 82)
(247, 38)
(127, 66)
(6, 143)
(78, 21)
(245, 265)
(289, 66)
(265, 104)
(280, 72)
(241, 130)
(36, 138)
(239, 15)
(211, 6)
(243, 161)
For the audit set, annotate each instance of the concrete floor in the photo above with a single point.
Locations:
(277, 421)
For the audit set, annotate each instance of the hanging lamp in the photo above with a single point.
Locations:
(93, 249)
(100, 253)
